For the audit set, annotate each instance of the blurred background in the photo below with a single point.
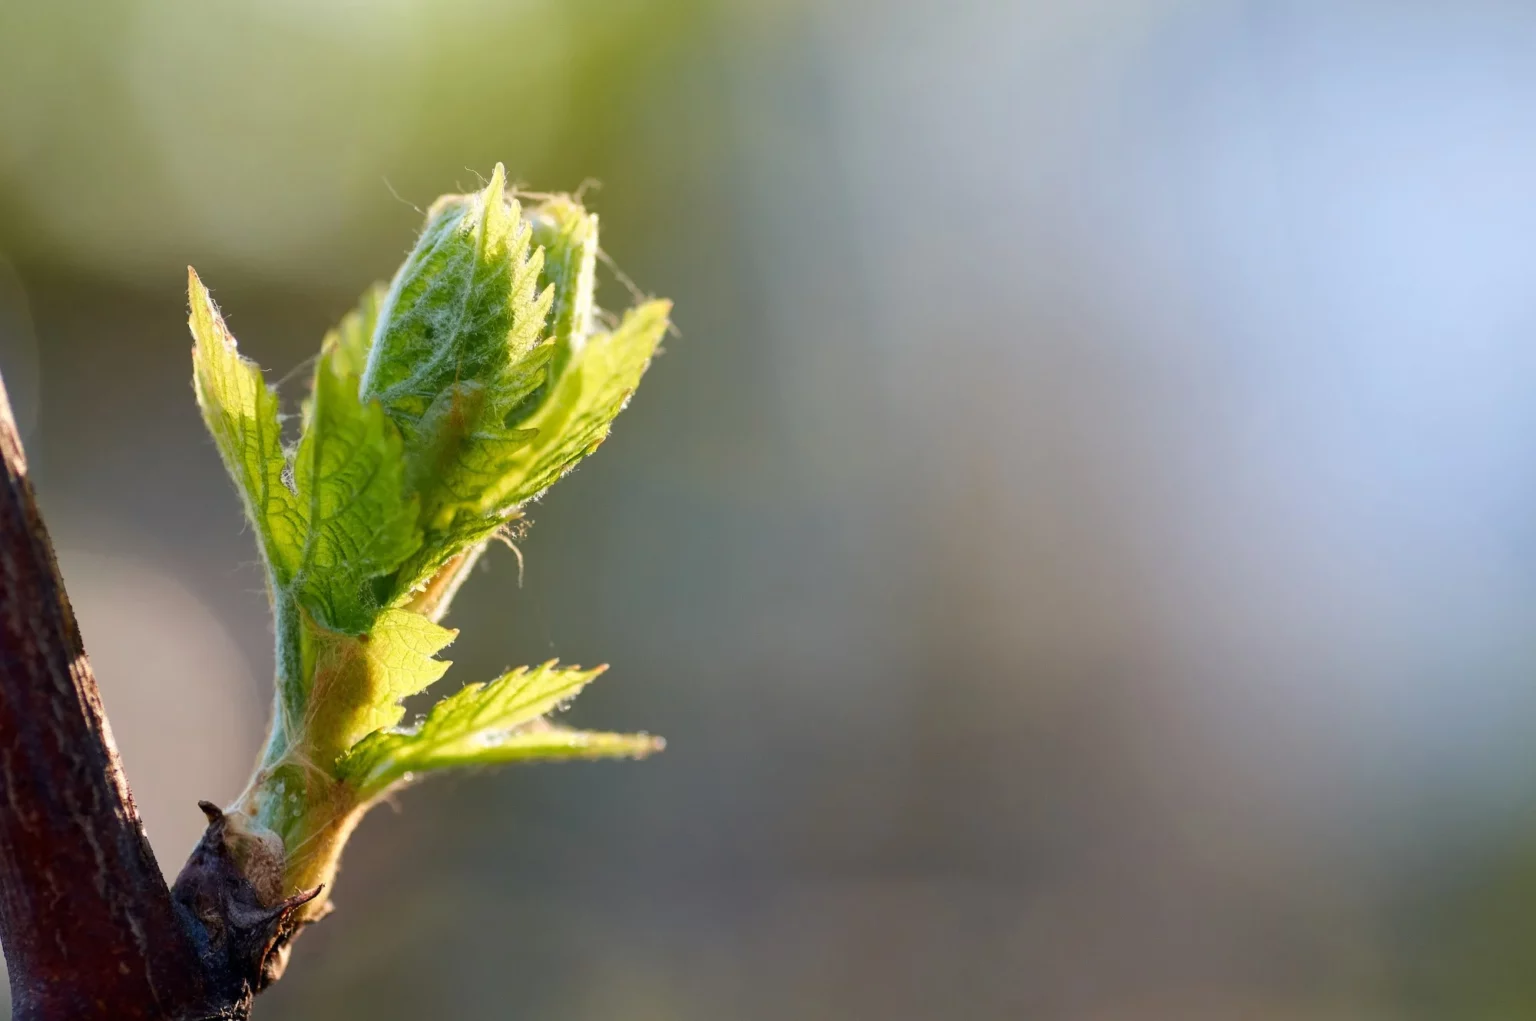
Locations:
(1081, 547)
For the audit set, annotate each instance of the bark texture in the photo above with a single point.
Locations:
(89, 926)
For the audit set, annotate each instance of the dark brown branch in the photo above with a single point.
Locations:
(89, 927)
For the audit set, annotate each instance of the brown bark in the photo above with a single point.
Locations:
(89, 927)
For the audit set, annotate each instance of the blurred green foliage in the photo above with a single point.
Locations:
(129, 127)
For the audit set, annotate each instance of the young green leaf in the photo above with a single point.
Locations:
(463, 307)
(359, 682)
(439, 407)
(568, 235)
(456, 349)
(241, 413)
(542, 741)
(485, 724)
(360, 524)
(344, 351)
(573, 418)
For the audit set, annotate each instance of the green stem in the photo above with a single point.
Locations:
(289, 795)
(292, 680)
(275, 797)
(295, 793)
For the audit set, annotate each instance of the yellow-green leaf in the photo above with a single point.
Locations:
(358, 682)
(361, 524)
(574, 417)
(241, 413)
(568, 235)
(344, 351)
(463, 307)
(486, 724)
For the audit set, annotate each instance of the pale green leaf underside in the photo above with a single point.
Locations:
(485, 724)
(542, 741)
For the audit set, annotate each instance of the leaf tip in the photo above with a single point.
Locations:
(494, 197)
(195, 289)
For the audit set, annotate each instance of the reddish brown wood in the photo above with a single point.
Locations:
(89, 926)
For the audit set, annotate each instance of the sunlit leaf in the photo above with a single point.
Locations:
(438, 408)
(574, 417)
(489, 724)
(358, 682)
(241, 412)
(359, 522)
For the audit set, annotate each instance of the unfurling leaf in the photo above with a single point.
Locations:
(457, 350)
(568, 235)
(440, 406)
(462, 309)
